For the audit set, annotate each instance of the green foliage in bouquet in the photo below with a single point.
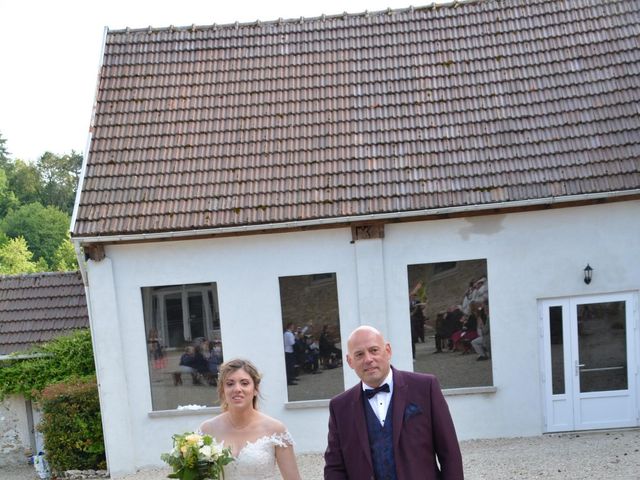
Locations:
(72, 426)
(197, 457)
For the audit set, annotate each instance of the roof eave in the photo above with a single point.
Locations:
(346, 220)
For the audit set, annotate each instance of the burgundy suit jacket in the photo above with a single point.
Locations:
(422, 430)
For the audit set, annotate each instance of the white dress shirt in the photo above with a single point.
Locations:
(380, 402)
(289, 341)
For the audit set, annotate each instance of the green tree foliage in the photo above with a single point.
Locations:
(59, 179)
(15, 257)
(65, 260)
(36, 202)
(65, 358)
(4, 154)
(44, 229)
(24, 181)
(8, 199)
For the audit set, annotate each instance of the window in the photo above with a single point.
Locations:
(184, 344)
(450, 322)
(311, 335)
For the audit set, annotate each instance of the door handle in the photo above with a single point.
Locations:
(578, 365)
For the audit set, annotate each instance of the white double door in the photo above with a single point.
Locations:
(590, 362)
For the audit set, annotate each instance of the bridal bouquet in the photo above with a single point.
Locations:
(197, 457)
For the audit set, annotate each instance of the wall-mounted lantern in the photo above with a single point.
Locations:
(588, 273)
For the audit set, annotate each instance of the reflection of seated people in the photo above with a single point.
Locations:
(467, 332)
(482, 343)
(193, 362)
(450, 323)
(330, 355)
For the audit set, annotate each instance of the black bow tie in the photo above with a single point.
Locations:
(371, 392)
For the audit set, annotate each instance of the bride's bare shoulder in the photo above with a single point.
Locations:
(213, 425)
(272, 425)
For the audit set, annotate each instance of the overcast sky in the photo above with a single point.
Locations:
(50, 51)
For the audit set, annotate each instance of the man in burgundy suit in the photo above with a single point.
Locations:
(391, 426)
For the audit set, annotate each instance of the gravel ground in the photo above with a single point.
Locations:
(607, 455)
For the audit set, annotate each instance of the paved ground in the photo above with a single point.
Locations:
(610, 455)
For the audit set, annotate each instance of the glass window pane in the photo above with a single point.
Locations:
(196, 315)
(173, 309)
(602, 344)
(450, 322)
(557, 350)
(184, 344)
(311, 336)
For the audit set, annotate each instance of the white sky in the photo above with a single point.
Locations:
(50, 51)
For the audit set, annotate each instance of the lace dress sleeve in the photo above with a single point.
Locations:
(283, 439)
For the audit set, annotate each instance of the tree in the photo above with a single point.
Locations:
(59, 179)
(4, 154)
(24, 181)
(15, 258)
(44, 229)
(65, 260)
(8, 200)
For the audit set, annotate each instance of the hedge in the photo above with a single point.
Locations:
(72, 426)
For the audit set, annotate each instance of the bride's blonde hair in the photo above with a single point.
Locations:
(227, 368)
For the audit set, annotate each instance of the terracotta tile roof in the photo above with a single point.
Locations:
(405, 110)
(39, 307)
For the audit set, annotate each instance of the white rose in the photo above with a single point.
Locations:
(217, 449)
(206, 452)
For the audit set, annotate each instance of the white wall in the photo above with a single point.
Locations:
(14, 431)
(529, 256)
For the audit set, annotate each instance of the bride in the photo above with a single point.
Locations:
(257, 441)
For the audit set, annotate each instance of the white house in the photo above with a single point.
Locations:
(340, 171)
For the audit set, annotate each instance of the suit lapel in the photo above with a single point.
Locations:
(358, 416)
(399, 404)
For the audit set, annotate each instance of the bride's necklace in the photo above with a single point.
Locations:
(238, 427)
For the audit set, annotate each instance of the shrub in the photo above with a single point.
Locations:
(72, 426)
(64, 358)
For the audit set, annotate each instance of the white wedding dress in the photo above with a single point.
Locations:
(257, 460)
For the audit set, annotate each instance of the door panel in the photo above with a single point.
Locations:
(602, 346)
(589, 344)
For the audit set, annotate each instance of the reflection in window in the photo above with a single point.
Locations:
(450, 322)
(602, 344)
(184, 344)
(557, 350)
(311, 336)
